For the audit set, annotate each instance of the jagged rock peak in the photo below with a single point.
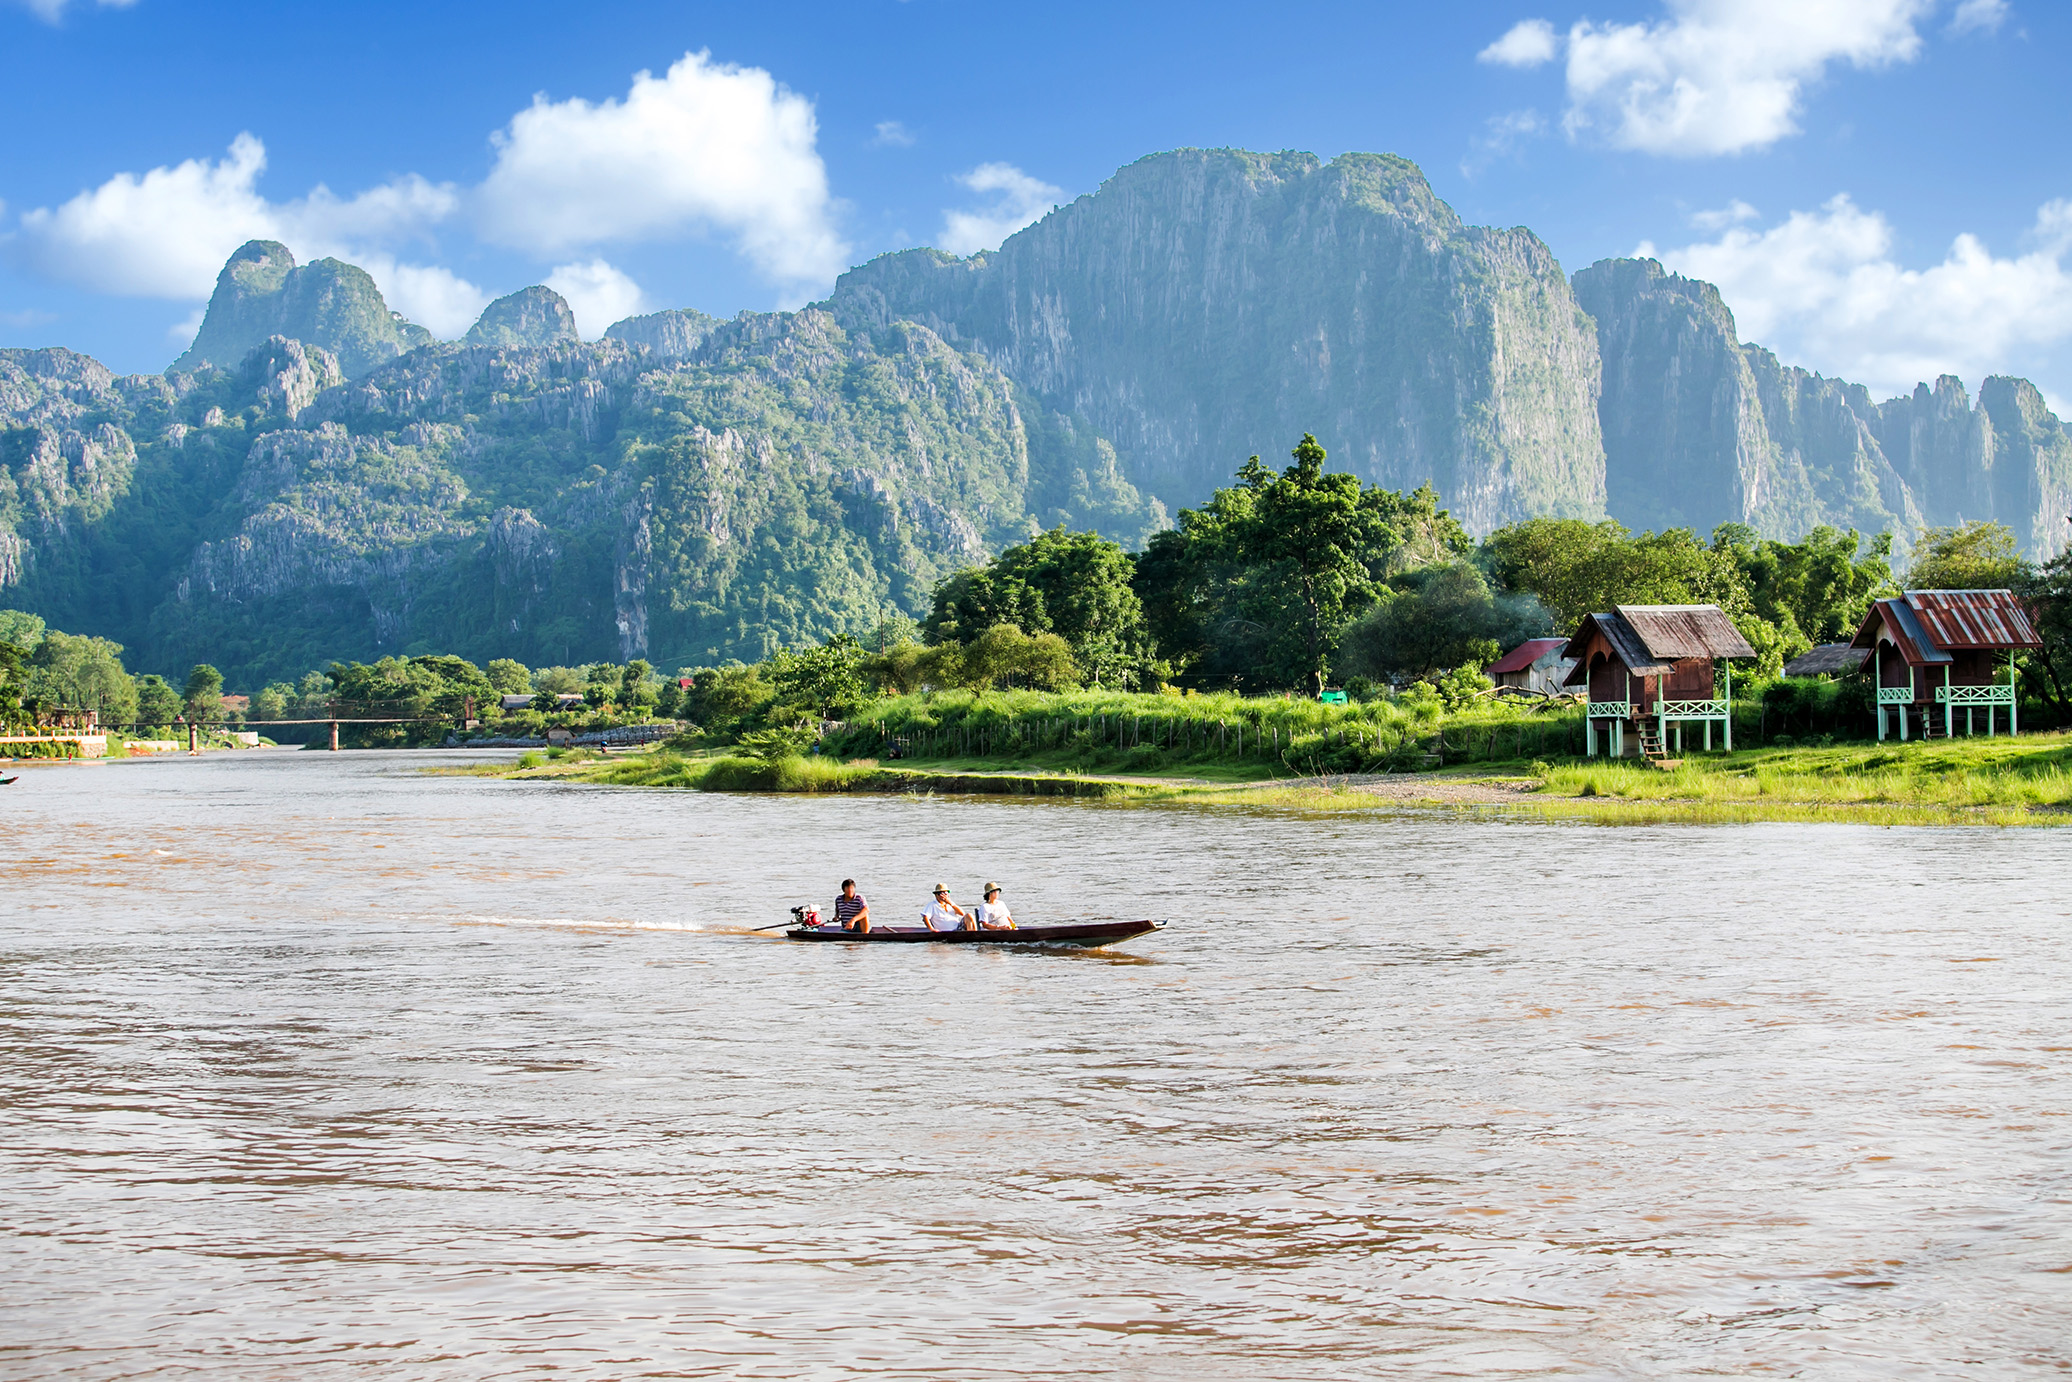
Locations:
(1417, 347)
(670, 335)
(530, 317)
(262, 292)
(287, 375)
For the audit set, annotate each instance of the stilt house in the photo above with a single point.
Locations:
(1649, 668)
(1947, 649)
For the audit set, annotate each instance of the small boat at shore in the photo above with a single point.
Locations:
(1066, 933)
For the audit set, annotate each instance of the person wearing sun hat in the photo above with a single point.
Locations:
(992, 914)
(945, 915)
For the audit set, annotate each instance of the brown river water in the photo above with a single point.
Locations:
(319, 1066)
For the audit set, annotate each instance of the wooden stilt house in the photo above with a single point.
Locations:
(1653, 668)
(1947, 649)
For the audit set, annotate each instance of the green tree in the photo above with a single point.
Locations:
(158, 704)
(1440, 617)
(80, 672)
(1979, 555)
(509, 676)
(20, 629)
(825, 681)
(203, 694)
(1004, 653)
(2048, 594)
(637, 683)
(557, 681)
(896, 669)
(1075, 585)
(1261, 581)
(13, 714)
(273, 701)
(1815, 590)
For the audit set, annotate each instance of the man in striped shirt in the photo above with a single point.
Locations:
(852, 913)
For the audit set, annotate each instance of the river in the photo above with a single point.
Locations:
(319, 1065)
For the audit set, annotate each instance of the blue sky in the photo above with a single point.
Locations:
(1883, 188)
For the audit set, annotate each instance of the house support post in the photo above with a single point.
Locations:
(1948, 720)
(2013, 727)
(1589, 737)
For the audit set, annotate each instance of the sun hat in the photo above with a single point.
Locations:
(942, 887)
(989, 888)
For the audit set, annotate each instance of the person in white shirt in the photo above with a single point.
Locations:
(945, 915)
(992, 914)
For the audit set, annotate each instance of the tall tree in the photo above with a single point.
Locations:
(1261, 581)
(1075, 585)
(203, 694)
(1979, 555)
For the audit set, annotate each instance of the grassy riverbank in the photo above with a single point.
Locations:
(2005, 781)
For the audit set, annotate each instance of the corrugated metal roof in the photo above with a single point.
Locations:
(1671, 632)
(1974, 618)
(1905, 631)
(1523, 656)
(1827, 660)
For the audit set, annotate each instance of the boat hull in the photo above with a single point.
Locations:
(1070, 933)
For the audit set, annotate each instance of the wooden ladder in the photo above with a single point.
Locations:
(1651, 746)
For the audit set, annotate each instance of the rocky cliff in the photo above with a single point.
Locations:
(262, 292)
(785, 480)
(534, 316)
(1206, 305)
(1701, 428)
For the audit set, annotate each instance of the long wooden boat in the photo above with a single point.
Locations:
(1068, 933)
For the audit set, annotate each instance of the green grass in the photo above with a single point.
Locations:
(2025, 780)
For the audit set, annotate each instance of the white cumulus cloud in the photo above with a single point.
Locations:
(1823, 289)
(1018, 200)
(598, 294)
(1719, 218)
(1716, 76)
(704, 145)
(166, 233)
(1528, 43)
(435, 298)
(1978, 16)
(162, 234)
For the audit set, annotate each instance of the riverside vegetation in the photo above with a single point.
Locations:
(1066, 657)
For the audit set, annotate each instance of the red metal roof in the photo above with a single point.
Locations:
(1523, 656)
(1974, 618)
(1922, 624)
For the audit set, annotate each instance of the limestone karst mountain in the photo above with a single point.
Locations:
(1205, 305)
(1700, 428)
(262, 292)
(318, 478)
(529, 318)
(671, 335)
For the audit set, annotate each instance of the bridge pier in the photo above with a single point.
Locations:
(334, 736)
(194, 740)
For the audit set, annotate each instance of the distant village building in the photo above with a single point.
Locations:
(1931, 648)
(1650, 667)
(1827, 660)
(517, 702)
(1534, 665)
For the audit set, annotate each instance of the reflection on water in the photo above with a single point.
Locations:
(317, 1064)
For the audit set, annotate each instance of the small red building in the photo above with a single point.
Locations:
(1648, 667)
(1534, 665)
(1932, 648)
